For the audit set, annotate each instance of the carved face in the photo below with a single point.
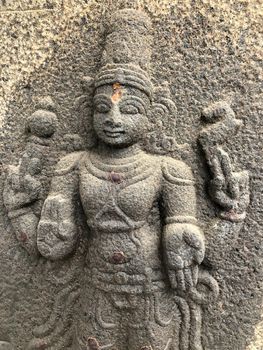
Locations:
(120, 115)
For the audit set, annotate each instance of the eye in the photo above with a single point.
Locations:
(129, 109)
(102, 108)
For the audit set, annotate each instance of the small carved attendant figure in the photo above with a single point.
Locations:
(144, 243)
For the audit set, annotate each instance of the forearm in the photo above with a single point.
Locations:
(57, 232)
(183, 241)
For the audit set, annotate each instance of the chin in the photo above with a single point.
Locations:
(115, 142)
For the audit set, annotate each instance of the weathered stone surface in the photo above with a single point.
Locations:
(203, 52)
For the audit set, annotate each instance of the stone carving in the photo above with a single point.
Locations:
(23, 192)
(23, 5)
(142, 286)
(229, 189)
(5, 346)
(164, 112)
(52, 334)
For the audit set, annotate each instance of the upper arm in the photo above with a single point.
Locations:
(65, 179)
(178, 191)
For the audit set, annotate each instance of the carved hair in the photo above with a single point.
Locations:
(125, 75)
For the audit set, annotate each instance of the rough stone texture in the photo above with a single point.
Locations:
(207, 51)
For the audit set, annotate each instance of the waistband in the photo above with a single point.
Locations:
(122, 282)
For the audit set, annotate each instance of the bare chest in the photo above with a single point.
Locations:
(118, 197)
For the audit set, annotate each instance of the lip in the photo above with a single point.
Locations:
(113, 132)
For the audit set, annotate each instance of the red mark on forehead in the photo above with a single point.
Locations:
(117, 92)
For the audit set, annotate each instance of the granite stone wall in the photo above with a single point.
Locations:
(206, 51)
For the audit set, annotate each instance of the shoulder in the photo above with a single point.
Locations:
(176, 171)
(69, 163)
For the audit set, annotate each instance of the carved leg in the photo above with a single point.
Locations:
(155, 329)
(196, 326)
(185, 323)
(98, 326)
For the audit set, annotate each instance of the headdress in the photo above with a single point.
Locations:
(126, 60)
(127, 51)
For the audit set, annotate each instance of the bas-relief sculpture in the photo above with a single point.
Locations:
(22, 5)
(142, 285)
(229, 189)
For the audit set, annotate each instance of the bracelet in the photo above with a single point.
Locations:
(16, 213)
(181, 219)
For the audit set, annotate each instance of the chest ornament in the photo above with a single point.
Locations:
(115, 177)
(118, 258)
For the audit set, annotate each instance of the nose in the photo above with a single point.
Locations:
(113, 118)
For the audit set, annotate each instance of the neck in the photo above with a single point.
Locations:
(115, 152)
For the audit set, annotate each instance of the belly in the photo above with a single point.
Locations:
(126, 262)
(132, 251)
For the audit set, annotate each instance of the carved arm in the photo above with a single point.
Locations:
(183, 241)
(57, 234)
(21, 192)
(228, 188)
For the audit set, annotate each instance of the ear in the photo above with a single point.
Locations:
(163, 108)
(84, 106)
(163, 113)
(85, 99)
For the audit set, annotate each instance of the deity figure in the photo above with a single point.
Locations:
(144, 243)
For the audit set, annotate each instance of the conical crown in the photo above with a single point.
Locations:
(126, 57)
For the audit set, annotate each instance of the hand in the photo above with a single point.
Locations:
(57, 233)
(184, 251)
(21, 192)
(20, 189)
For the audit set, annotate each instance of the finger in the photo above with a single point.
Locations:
(195, 270)
(67, 230)
(24, 161)
(228, 172)
(172, 278)
(225, 163)
(194, 238)
(65, 209)
(175, 261)
(15, 182)
(188, 278)
(46, 229)
(46, 210)
(199, 256)
(180, 280)
(31, 184)
(55, 208)
(21, 199)
(216, 167)
(49, 211)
